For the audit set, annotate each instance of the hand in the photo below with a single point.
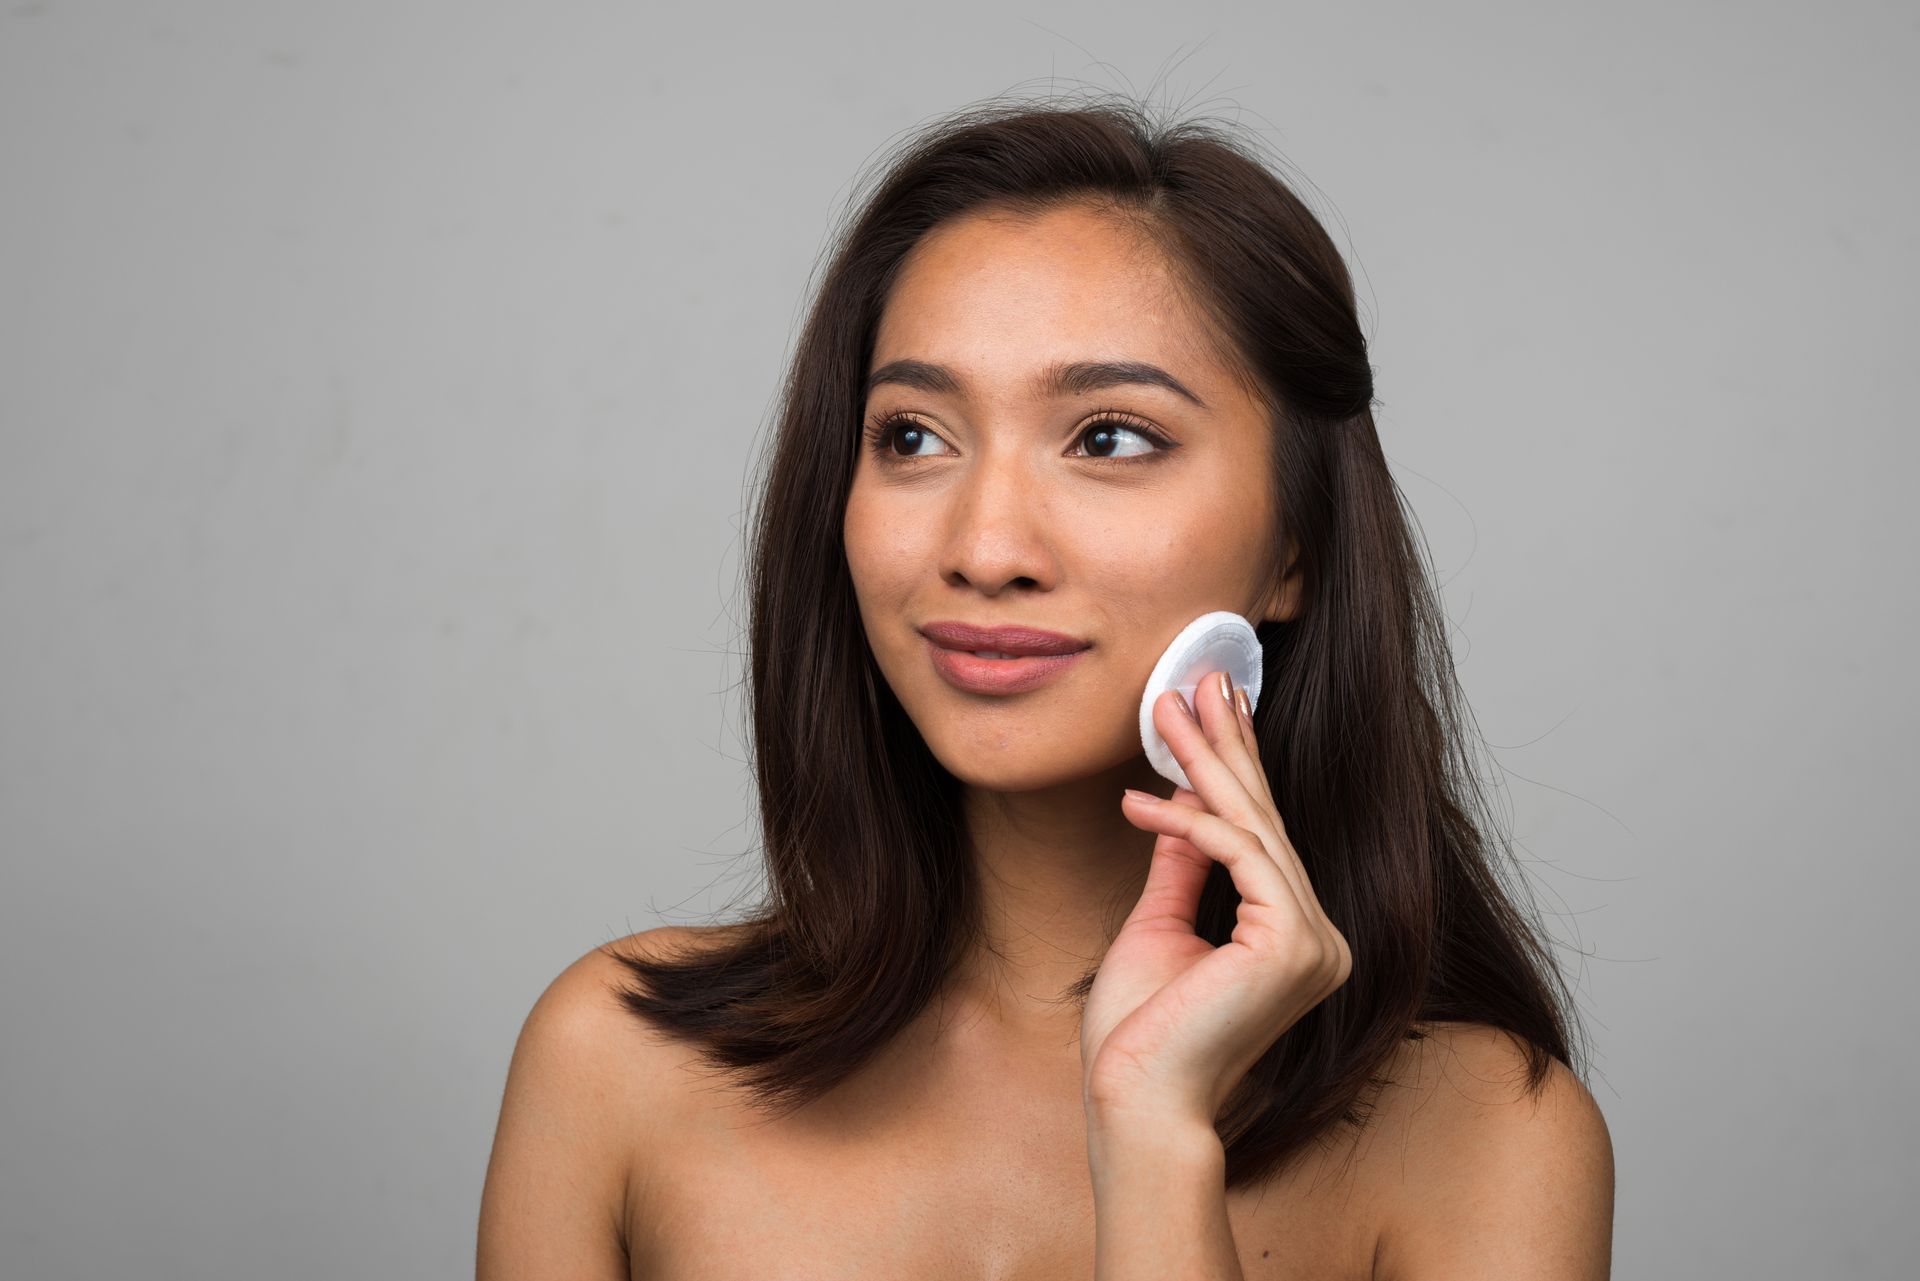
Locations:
(1172, 1023)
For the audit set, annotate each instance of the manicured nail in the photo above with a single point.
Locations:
(1226, 688)
(1185, 706)
(1245, 703)
(1143, 796)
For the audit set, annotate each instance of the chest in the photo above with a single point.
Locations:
(952, 1191)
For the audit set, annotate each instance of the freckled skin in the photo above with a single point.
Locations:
(1008, 510)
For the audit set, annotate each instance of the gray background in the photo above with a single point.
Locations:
(381, 387)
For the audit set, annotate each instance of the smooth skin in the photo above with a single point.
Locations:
(1012, 502)
(1002, 506)
(1173, 1022)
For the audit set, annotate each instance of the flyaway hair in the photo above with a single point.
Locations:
(1364, 734)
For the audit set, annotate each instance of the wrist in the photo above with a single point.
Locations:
(1137, 1137)
(1140, 1113)
(1159, 1195)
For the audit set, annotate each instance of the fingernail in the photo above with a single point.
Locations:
(1245, 704)
(1185, 706)
(1142, 796)
(1226, 688)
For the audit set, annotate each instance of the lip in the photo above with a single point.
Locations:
(1022, 641)
(998, 675)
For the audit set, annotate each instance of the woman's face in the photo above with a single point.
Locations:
(995, 498)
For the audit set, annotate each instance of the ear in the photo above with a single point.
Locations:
(1282, 603)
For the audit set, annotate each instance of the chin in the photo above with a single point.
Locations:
(1032, 767)
(1005, 776)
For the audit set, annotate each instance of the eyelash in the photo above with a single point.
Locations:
(880, 430)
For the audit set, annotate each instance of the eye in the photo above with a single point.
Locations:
(1105, 435)
(1110, 427)
(885, 430)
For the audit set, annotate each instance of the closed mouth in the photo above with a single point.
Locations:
(1006, 641)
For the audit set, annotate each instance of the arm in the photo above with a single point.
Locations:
(555, 1189)
(1159, 1201)
(1173, 1022)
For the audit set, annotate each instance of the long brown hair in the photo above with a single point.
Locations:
(870, 899)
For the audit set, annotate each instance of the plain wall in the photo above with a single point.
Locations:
(382, 385)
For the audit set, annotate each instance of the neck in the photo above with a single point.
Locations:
(1058, 869)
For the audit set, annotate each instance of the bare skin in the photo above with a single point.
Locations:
(621, 1156)
(952, 1158)
(1001, 511)
(961, 1152)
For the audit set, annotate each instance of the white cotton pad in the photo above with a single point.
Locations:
(1220, 641)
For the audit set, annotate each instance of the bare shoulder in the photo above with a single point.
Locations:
(591, 987)
(559, 1176)
(581, 1024)
(582, 1050)
(1480, 1174)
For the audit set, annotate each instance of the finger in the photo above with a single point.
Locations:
(1282, 850)
(1206, 751)
(1259, 814)
(1255, 874)
(1251, 739)
(1177, 873)
(1285, 857)
(1175, 877)
(1188, 797)
(1227, 731)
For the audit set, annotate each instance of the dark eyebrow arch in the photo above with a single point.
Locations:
(1069, 378)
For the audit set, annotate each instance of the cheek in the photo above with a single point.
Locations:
(882, 556)
(1208, 540)
(1144, 556)
(1166, 564)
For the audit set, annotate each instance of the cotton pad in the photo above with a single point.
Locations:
(1219, 641)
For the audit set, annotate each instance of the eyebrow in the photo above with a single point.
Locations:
(1067, 378)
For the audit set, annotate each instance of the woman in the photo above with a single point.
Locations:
(1004, 1015)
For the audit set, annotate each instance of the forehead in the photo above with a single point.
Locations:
(1000, 292)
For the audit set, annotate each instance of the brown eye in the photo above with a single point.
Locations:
(882, 435)
(1105, 437)
(1108, 435)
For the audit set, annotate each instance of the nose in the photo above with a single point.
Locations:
(998, 525)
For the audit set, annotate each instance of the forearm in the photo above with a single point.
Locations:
(1160, 1202)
